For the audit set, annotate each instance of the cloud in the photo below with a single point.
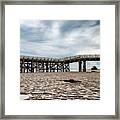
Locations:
(55, 38)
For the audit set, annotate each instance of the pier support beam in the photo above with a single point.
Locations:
(32, 69)
(57, 67)
(50, 66)
(84, 66)
(43, 66)
(80, 63)
(63, 66)
(23, 65)
(46, 66)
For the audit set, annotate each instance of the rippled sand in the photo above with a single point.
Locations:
(60, 86)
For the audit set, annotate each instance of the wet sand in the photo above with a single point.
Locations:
(60, 86)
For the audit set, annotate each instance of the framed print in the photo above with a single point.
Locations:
(60, 59)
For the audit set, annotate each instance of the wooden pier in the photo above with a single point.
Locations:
(29, 64)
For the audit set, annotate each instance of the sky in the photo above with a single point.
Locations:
(59, 38)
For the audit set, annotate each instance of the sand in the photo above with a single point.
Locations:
(60, 86)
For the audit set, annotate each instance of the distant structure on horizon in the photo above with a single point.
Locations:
(30, 64)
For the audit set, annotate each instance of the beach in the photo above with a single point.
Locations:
(60, 86)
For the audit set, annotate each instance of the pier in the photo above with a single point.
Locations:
(30, 64)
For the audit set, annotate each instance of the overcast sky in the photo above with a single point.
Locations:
(59, 38)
